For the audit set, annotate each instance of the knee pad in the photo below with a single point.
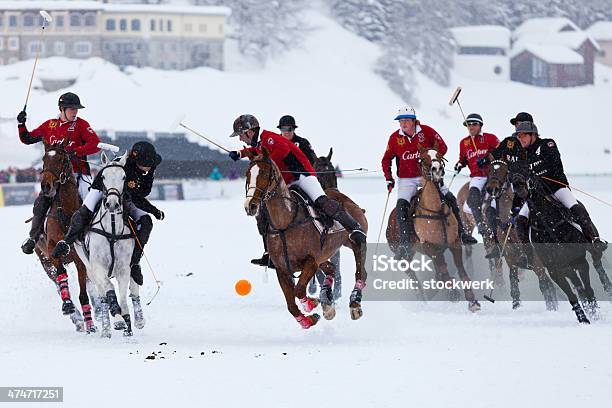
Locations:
(328, 205)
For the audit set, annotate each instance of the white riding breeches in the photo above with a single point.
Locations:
(94, 196)
(310, 185)
(407, 187)
(564, 195)
(84, 183)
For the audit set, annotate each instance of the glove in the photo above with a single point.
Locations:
(482, 162)
(514, 214)
(390, 184)
(21, 118)
(234, 155)
(159, 214)
(458, 167)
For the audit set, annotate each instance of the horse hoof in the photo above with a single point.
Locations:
(551, 306)
(68, 307)
(329, 311)
(119, 323)
(128, 333)
(309, 304)
(474, 306)
(139, 324)
(106, 334)
(92, 329)
(79, 327)
(356, 312)
(314, 318)
(516, 304)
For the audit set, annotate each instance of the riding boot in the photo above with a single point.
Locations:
(333, 209)
(144, 226)
(491, 225)
(451, 201)
(405, 222)
(80, 220)
(583, 219)
(39, 213)
(525, 261)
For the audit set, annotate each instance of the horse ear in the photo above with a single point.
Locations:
(331, 151)
(103, 158)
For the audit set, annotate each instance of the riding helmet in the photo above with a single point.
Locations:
(473, 117)
(286, 121)
(244, 123)
(144, 154)
(70, 100)
(521, 117)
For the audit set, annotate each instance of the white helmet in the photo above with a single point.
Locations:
(405, 112)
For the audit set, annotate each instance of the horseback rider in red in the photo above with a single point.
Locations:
(471, 148)
(82, 141)
(403, 146)
(295, 169)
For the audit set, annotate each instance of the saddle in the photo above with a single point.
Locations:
(322, 222)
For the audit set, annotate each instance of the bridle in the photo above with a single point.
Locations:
(270, 190)
(66, 173)
(109, 192)
(502, 181)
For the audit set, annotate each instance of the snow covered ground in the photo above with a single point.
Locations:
(225, 350)
(328, 84)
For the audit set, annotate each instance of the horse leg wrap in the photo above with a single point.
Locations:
(304, 321)
(62, 282)
(113, 304)
(308, 304)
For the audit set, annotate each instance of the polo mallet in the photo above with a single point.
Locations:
(195, 132)
(46, 19)
(455, 99)
(490, 297)
(382, 222)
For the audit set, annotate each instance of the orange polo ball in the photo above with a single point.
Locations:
(243, 287)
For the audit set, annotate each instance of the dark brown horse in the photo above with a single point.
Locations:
(59, 185)
(293, 241)
(435, 225)
(500, 190)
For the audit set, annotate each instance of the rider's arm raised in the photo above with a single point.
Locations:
(34, 136)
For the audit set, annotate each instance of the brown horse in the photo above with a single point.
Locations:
(58, 184)
(435, 225)
(295, 244)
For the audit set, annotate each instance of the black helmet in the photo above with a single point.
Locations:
(144, 154)
(287, 120)
(473, 117)
(244, 123)
(70, 100)
(521, 117)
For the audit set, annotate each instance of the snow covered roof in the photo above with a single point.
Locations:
(601, 31)
(570, 39)
(553, 54)
(482, 36)
(109, 7)
(545, 25)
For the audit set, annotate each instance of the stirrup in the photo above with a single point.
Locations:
(264, 261)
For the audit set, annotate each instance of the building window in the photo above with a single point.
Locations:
(169, 25)
(123, 24)
(13, 43)
(203, 28)
(188, 28)
(59, 48)
(470, 50)
(28, 20)
(90, 20)
(135, 25)
(152, 25)
(107, 47)
(35, 47)
(110, 24)
(82, 48)
(75, 20)
(12, 21)
(161, 25)
(59, 21)
(538, 68)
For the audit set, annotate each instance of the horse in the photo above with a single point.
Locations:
(59, 184)
(559, 244)
(107, 249)
(295, 244)
(435, 225)
(500, 190)
(326, 174)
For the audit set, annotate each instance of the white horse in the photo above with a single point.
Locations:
(110, 243)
